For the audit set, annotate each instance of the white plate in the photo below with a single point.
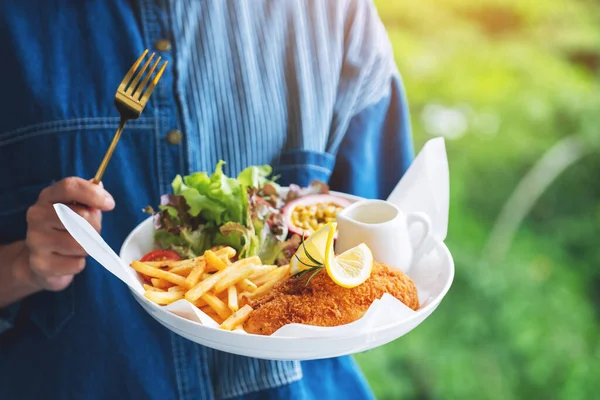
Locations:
(433, 277)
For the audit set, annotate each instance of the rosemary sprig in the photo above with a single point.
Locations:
(313, 269)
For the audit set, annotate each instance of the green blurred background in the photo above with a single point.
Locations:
(513, 87)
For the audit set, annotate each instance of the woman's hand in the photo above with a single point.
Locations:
(54, 257)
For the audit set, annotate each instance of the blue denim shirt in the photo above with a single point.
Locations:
(309, 87)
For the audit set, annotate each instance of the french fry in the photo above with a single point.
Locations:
(158, 273)
(152, 288)
(213, 262)
(261, 270)
(254, 260)
(217, 305)
(214, 283)
(282, 273)
(247, 285)
(223, 296)
(164, 265)
(223, 252)
(237, 318)
(207, 284)
(226, 251)
(235, 274)
(196, 274)
(261, 280)
(163, 298)
(243, 298)
(200, 303)
(224, 256)
(160, 283)
(170, 264)
(211, 313)
(203, 286)
(232, 298)
(183, 270)
(186, 263)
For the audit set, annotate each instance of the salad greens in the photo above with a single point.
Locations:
(209, 210)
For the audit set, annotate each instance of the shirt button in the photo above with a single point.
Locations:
(162, 45)
(174, 136)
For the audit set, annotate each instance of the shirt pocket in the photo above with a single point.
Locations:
(300, 167)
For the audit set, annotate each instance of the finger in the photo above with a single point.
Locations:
(58, 242)
(43, 217)
(78, 190)
(62, 243)
(53, 283)
(55, 265)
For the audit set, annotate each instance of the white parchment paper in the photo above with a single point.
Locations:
(425, 188)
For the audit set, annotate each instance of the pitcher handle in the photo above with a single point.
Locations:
(422, 218)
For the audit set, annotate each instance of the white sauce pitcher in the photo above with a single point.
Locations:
(385, 229)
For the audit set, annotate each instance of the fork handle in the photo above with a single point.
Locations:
(109, 152)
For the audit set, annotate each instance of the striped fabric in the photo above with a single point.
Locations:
(254, 79)
(291, 71)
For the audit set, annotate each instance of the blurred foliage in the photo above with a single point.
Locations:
(503, 81)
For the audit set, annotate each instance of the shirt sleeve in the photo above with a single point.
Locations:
(377, 147)
(371, 133)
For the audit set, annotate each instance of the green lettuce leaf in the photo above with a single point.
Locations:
(255, 176)
(166, 240)
(207, 210)
(210, 209)
(239, 237)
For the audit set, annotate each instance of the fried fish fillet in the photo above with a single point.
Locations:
(324, 303)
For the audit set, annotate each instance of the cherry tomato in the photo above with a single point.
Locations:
(161, 255)
(146, 278)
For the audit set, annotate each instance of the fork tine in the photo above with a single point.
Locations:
(152, 85)
(138, 75)
(131, 71)
(142, 85)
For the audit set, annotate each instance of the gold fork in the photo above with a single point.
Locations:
(130, 103)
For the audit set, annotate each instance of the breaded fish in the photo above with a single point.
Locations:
(324, 303)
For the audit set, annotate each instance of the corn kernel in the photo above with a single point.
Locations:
(313, 217)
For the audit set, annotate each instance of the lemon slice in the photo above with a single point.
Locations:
(352, 267)
(315, 247)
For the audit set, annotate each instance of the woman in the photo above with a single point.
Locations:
(310, 88)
